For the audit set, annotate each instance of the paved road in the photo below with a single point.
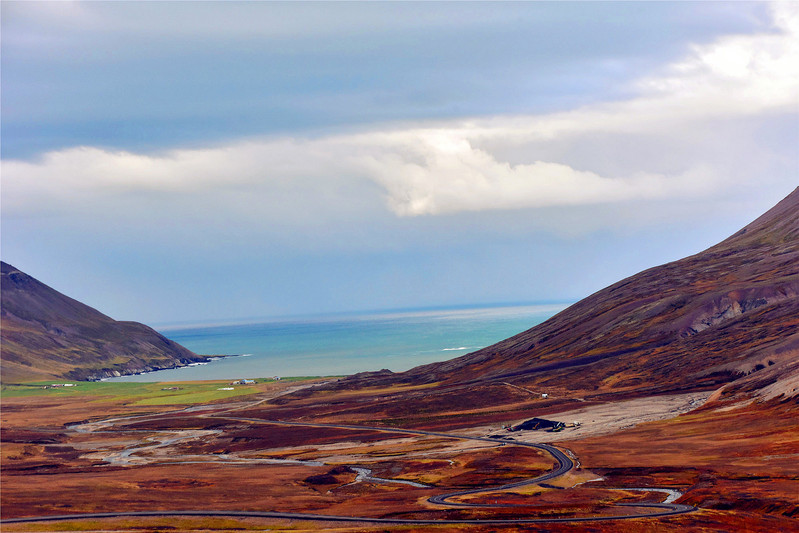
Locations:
(666, 509)
(564, 465)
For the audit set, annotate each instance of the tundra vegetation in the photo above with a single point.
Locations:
(102, 447)
(684, 380)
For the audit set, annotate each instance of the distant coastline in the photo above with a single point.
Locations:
(208, 359)
(345, 343)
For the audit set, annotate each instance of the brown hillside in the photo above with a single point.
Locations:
(47, 335)
(706, 320)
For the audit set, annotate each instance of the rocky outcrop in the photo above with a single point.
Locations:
(731, 305)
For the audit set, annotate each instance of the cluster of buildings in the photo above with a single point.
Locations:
(250, 381)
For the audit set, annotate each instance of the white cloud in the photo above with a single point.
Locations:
(467, 165)
(740, 73)
(428, 172)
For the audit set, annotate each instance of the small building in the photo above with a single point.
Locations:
(545, 396)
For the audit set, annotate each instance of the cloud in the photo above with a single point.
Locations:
(738, 73)
(476, 164)
(429, 172)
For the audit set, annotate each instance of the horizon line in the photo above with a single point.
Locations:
(352, 314)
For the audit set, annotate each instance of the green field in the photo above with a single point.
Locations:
(177, 393)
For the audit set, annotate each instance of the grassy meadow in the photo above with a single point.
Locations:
(133, 393)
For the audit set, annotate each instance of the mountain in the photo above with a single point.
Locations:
(727, 314)
(47, 335)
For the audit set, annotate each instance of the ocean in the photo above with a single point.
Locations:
(344, 344)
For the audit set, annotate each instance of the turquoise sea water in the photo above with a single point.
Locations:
(345, 344)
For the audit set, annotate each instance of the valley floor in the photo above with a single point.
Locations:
(65, 454)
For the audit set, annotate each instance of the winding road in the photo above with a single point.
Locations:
(564, 465)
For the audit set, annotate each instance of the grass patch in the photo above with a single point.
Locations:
(172, 393)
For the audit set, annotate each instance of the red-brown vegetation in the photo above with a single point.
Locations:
(724, 322)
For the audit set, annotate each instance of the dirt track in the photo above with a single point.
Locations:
(611, 417)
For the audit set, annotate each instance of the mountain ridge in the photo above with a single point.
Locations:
(48, 335)
(700, 322)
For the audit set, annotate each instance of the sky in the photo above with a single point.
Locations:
(177, 161)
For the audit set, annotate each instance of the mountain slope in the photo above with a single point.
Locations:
(46, 335)
(703, 321)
